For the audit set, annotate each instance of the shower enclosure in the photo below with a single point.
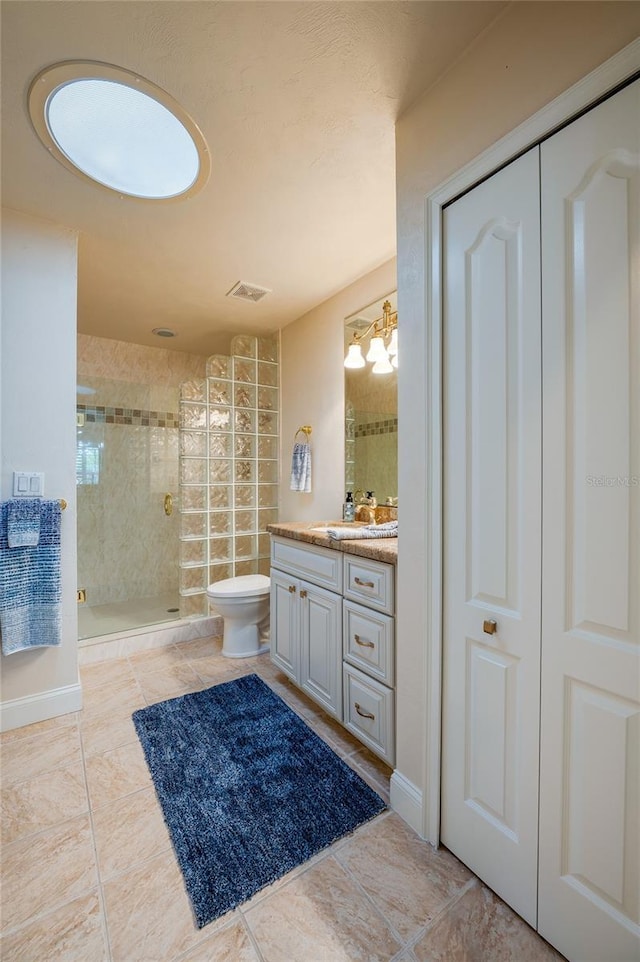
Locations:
(211, 443)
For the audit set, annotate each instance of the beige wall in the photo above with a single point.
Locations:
(37, 413)
(312, 380)
(532, 53)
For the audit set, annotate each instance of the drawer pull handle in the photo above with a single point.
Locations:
(364, 584)
(364, 714)
(303, 593)
(364, 644)
(292, 589)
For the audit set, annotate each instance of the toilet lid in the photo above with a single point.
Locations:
(247, 586)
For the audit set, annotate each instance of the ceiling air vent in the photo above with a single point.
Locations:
(248, 292)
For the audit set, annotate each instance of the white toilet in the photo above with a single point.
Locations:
(243, 602)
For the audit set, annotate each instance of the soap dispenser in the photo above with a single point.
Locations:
(349, 508)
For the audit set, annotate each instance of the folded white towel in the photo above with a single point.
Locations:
(301, 467)
(387, 530)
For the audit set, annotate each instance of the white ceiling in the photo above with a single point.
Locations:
(297, 101)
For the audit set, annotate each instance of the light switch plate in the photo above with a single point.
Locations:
(28, 484)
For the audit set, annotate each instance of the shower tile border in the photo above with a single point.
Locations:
(102, 414)
(386, 426)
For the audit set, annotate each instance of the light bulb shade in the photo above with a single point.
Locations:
(393, 343)
(383, 366)
(377, 350)
(354, 356)
(394, 361)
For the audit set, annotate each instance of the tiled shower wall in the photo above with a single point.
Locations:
(127, 461)
(228, 467)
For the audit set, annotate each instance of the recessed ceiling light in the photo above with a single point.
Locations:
(119, 130)
(163, 332)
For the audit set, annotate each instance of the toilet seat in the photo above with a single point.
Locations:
(243, 586)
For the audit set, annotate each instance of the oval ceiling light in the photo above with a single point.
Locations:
(114, 128)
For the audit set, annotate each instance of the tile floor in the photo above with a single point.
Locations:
(88, 872)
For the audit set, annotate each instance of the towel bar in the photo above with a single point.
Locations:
(305, 429)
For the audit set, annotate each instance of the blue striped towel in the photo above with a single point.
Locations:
(301, 467)
(30, 584)
(23, 522)
(387, 530)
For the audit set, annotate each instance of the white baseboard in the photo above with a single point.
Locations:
(36, 708)
(406, 800)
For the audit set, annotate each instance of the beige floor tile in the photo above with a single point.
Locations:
(39, 728)
(405, 877)
(368, 762)
(480, 926)
(73, 933)
(44, 871)
(116, 671)
(149, 916)
(169, 683)
(129, 831)
(99, 734)
(214, 670)
(24, 758)
(116, 773)
(230, 944)
(111, 698)
(201, 648)
(42, 802)
(155, 659)
(321, 915)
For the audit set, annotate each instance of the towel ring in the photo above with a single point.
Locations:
(306, 429)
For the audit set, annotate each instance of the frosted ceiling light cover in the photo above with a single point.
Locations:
(119, 130)
(122, 138)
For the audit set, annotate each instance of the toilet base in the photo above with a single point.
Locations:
(242, 641)
(262, 650)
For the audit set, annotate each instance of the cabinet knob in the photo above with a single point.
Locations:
(303, 593)
(363, 644)
(292, 589)
(490, 627)
(364, 714)
(364, 584)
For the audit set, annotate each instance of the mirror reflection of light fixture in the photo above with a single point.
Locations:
(383, 357)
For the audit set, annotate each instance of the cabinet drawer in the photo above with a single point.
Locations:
(368, 641)
(321, 566)
(369, 712)
(370, 582)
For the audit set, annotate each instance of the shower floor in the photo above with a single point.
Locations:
(120, 616)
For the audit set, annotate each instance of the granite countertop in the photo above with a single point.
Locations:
(378, 549)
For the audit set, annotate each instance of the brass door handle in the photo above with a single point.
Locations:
(303, 593)
(364, 584)
(490, 627)
(292, 589)
(168, 504)
(364, 714)
(363, 644)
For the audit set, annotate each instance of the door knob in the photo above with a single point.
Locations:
(168, 504)
(490, 627)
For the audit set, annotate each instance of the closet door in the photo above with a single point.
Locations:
(491, 682)
(590, 736)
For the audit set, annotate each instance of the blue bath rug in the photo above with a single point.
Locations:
(248, 791)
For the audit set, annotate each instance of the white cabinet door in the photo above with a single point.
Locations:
(491, 682)
(321, 648)
(590, 736)
(285, 630)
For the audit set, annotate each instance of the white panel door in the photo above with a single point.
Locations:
(590, 737)
(491, 682)
(321, 646)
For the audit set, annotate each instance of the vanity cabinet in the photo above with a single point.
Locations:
(306, 620)
(333, 634)
(369, 653)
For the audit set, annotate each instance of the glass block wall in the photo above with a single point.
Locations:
(228, 468)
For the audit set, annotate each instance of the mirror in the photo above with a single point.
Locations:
(371, 415)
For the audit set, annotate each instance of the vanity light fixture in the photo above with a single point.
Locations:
(383, 357)
(114, 128)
